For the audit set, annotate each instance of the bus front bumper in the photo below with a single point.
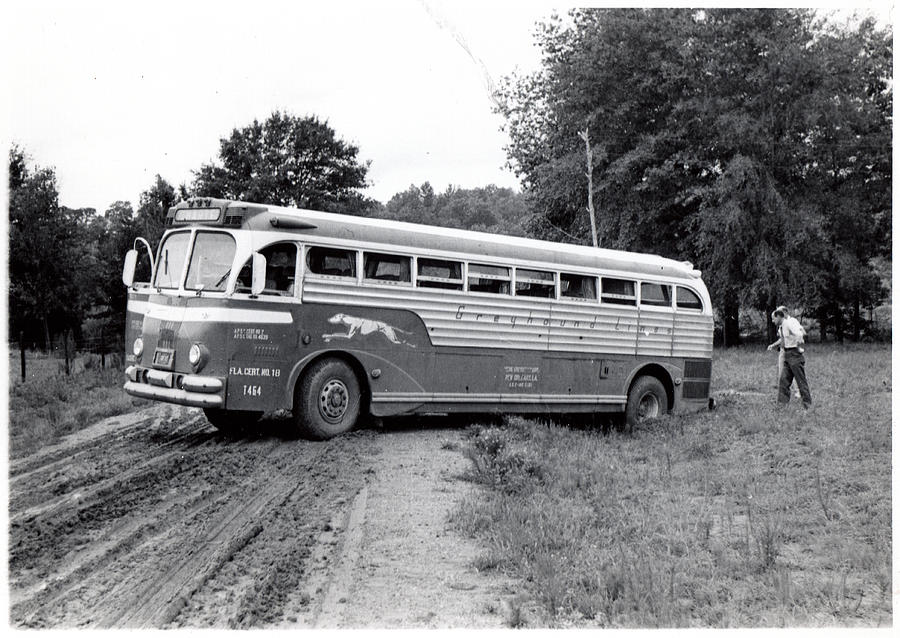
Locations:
(192, 390)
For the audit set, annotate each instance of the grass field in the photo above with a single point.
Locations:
(49, 404)
(746, 516)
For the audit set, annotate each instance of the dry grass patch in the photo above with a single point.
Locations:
(745, 516)
(48, 404)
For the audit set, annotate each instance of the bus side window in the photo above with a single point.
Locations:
(493, 279)
(439, 273)
(335, 262)
(535, 283)
(656, 295)
(687, 299)
(383, 267)
(577, 286)
(281, 267)
(617, 291)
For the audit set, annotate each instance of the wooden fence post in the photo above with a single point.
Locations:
(22, 351)
(66, 350)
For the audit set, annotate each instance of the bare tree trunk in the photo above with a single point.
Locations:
(823, 324)
(22, 351)
(589, 155)
(856, 319)
(838, 323)
(46, 333)
(66, 350)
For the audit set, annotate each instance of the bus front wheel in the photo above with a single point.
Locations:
(647, 400)
(231, 421)
(327, 400)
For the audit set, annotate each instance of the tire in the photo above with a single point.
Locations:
(647, 400)
(231, 421)
(327, 400)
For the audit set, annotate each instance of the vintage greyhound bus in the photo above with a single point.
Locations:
(253, 308)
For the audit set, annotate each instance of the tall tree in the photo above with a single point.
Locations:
(46, 251)
(289, 161)
(706, 127)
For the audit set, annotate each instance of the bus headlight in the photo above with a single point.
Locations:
(198, 356)
(138, 347)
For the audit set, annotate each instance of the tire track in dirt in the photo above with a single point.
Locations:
(157, 520)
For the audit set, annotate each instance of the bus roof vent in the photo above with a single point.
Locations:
(291, 222)
(233, 219)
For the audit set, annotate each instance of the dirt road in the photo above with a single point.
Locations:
(154, 519)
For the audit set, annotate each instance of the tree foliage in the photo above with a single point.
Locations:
(288, 161)
(755, 143)
(488, 209)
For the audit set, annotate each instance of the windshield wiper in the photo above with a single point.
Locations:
(223, 278)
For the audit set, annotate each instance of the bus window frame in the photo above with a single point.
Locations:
(510, 279)
(612, 295)
(386, 282)
(298, 275)
(580, 300)
(642, 304)
(460, 282)
(355, 278)
(693, 292)
(529, 280)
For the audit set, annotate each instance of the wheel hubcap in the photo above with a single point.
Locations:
(333, 400)
(648, 408)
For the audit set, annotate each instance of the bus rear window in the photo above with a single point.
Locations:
(687, 299)
(335, 262)
(439, 273)
(656, 295)
(211, 262)
(535, 283)
(493, 279)
(577, 286)
(382, 267)
(172, 255)
(617, 291)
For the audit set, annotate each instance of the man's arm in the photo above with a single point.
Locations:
(774, 345)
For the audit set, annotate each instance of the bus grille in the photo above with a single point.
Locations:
(697, 369)
(695, 390)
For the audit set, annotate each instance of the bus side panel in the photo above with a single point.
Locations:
(134, 320)
(260, 347)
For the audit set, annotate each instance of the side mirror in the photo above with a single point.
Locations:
(259, 274)
(128, 269)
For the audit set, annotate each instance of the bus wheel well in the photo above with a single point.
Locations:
(656, 370)
(357, 368)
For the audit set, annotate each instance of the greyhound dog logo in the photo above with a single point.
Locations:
(358, 325)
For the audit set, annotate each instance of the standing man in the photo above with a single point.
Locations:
(790, 338)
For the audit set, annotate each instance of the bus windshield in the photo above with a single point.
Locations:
(172, 254)
(211, 262)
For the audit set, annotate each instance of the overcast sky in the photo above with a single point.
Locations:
(112, 93)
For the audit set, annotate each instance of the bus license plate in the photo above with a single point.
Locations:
(164, 358)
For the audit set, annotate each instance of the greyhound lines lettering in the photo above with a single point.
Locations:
(253, 309)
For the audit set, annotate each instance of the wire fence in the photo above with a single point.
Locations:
(100, 351)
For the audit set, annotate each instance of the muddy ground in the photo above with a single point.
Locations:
(155, 519)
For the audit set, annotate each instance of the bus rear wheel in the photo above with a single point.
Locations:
(647, 400)
(327, 400)
(231, 421)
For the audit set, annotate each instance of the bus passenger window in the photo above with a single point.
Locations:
(687, 299)
(493, 279)
(438, 273)
(617, 291)
(382, 267)
(281, 267)
(335, 262)
(535, 283)
(577, 286)
(656, 295)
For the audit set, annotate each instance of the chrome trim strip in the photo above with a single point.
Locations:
(463, 397)
(173, 396)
